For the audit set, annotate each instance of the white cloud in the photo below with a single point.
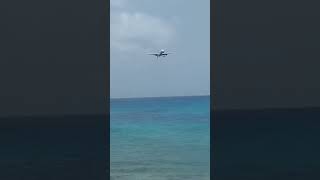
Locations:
(118, 3)
(139, 31)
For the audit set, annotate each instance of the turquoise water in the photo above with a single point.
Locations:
(160, 138)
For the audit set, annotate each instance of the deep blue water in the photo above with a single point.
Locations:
(160, 138)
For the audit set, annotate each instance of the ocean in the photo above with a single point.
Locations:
(165, 138)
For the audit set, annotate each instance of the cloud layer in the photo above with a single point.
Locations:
(118, 3)
(138, 31)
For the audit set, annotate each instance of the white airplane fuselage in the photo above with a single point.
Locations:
(160, 54)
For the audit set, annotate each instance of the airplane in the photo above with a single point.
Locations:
(160, 54)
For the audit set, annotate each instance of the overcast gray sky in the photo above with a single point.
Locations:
(143, 26)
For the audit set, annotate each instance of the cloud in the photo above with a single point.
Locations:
(118, 3)
(138, 31)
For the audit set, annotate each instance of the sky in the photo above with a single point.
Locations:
(138, 27)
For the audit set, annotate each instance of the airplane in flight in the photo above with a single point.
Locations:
(160, 54)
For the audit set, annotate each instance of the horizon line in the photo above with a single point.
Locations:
(157, 97)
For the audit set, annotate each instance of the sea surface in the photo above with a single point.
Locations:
(165, 138)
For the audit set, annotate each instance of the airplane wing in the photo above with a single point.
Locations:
(153, 54)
